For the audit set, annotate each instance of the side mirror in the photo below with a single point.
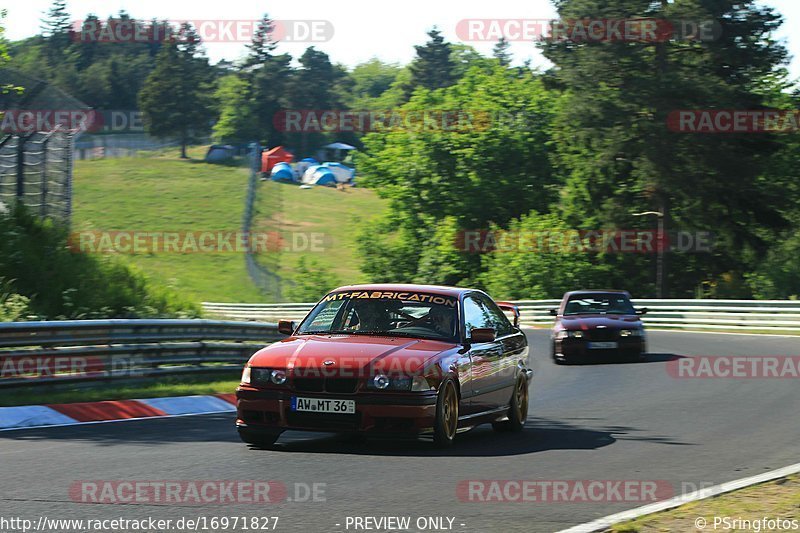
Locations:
(642, 311)
(481, 335)
(510, 308)
(553, 312)
(286, 327)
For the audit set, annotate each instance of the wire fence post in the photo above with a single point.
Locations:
(43, 191)
(69, 147)
(20, 169)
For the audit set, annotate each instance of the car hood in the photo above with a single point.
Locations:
(585, 322)
(349, 353)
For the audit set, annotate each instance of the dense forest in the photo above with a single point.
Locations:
(581, 145)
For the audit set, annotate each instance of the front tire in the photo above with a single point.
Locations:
(446, 424)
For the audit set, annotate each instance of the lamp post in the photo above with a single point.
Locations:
(660, 263)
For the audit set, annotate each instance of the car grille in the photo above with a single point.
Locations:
(603, 334)
(332, 384)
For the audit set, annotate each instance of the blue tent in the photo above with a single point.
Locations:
(319, 175)
(324, 176)
(343, 173)
(282, 172)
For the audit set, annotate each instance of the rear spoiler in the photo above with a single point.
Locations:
(508, 307)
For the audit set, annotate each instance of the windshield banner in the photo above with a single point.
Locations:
(393, 295)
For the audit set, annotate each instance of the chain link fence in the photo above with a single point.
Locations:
(36, 145)
(36, 171)
(269, 283)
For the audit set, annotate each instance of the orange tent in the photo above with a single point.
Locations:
(279, 154)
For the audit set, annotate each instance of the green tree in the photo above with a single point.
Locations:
(262, 46)
(501, 52)
(173, 99)
(237, 122)
(310, 282)
(4, 58)
(537, 263)
(491, 167)
(614, 149)
(371, 80)
(313, 87)
(57, 30)
(249, 103)
(433, 67)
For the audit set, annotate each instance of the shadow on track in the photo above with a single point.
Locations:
(540, 435)
(646, 358)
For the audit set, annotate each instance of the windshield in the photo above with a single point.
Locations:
(400, 314)
(599, 304)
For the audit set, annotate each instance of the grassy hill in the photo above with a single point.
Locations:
(334, 215)
(160, 192)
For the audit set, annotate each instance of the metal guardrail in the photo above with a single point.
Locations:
(38, 353)
(779, 316)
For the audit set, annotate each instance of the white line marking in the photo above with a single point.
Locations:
(656, 330)
(120, 420)
(603, 523)
(723, 333)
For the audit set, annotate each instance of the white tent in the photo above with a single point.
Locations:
(343, 173)
(319, 175)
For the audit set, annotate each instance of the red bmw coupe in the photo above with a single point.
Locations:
(406, 360)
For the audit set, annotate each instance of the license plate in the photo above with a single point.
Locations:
(603, 345)
(321, 405)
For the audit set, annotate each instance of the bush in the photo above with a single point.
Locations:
(13, 307)
(310, 282)
(60, 283)
(517, 273)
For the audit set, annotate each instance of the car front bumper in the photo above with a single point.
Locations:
(269, 411)
(579, 348)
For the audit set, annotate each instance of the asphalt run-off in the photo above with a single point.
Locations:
(596, 423)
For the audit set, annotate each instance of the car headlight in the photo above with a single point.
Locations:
(399, 383)
(278, 377)
(266, 376)
(381, 382)
(630, 333)
(246, 375)
(563, 334)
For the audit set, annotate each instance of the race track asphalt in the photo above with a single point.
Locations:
(593, 422)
